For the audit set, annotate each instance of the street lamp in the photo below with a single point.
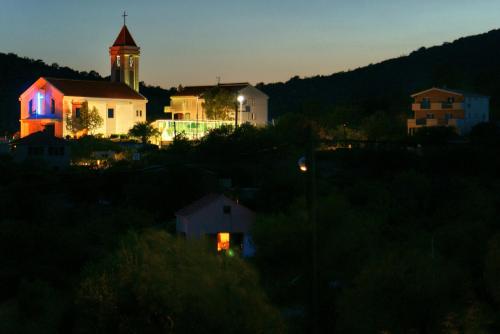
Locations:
(302, 164)
(240, 99)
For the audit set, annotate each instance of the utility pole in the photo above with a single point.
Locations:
(312, 215)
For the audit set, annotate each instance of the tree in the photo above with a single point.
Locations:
(156, 283)
(85, 121)
(219, 104)
(144, 131)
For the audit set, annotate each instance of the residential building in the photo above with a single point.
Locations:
(448, 107)
(42, 146)
(223, 221)
(186, 113)
(47, 103)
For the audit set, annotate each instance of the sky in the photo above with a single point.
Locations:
(192, 42)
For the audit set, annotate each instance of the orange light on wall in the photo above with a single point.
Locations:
(223, 241)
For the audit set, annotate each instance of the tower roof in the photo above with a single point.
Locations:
(124, 38)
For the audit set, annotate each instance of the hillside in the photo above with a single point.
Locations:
(470, 63)
(17, 74)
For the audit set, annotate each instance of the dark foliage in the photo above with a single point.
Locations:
(470, 63)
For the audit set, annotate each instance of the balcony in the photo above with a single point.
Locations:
(438, 106)
(429, 122)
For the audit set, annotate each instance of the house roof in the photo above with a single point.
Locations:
(124, 38)
(452, 91)
(200, 90)
(40, 138)
(203, 203)
(198, 205)
(99, 89)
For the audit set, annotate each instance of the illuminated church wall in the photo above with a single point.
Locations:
(41, 95)
(124, 118)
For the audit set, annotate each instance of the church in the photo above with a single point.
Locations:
(48, 102)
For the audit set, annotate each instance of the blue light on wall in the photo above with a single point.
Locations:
(39, 103)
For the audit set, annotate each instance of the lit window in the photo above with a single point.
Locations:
(118, 61)
(223, 241)
(131, 61)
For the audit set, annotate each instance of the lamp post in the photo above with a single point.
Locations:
(240, 99)
(307, 165)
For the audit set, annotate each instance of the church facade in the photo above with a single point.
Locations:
(48, 102)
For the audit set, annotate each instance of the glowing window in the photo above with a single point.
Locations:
(118, 61)
(131, 61)
(223, 241)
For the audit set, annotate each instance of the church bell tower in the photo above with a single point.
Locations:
(124, 55)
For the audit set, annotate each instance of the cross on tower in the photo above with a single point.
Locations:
(124, 17)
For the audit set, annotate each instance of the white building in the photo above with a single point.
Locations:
(186, 113)
(448, 107)
(219, 218)
(47, 103)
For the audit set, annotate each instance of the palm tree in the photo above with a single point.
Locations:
(144, 131)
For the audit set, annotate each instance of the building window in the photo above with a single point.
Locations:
(111, 113)
(117, 61)
(430, 116)
(248, 108)
(56, 151)
(35, 150)
(31, 107)
(426, 103)
(138, 113)
(52, 106)
(78, 112)
(448, 115)
(187, 116)
(131, 61)
(226, 209)
(223, 241)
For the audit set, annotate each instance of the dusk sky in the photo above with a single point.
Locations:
(193, 42)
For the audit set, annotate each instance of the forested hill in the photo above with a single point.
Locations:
(470, 63)
(17, 74)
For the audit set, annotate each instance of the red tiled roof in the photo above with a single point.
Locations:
(41, 138)
(200, 90)
(99, 89)
(198, 205)
(124, 38)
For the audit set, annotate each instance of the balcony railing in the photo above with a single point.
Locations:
(420, 122)
(437, 106)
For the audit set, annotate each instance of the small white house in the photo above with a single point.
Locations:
(221, 219)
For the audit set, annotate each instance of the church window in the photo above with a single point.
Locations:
(131, 61)
(118, 61)
(78, 112)
(111, 113)
(31, 107)
(52, 106)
